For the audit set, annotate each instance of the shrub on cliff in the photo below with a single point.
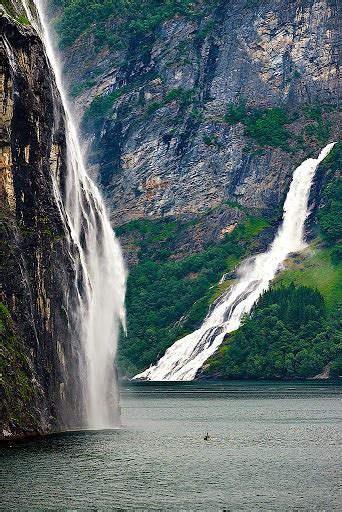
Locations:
(99, 108)
(266, 127)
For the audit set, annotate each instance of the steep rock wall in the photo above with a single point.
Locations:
(162, 153)
(39, 348)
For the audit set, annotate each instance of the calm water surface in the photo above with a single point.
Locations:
(274, 446)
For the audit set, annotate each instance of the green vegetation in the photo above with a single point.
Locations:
(77, 89)
(7, 4)
(14, 381)
(153, 231)
(23, 19)
(167, 299)
(182, 96)
(114, 24)
(203, 32)
(315, 269)
(12, 11)
(266, 127)
(99, 108)
(196, 115)
(154, 106)
(319, 128)
(330, 215)
(288, 335)
(211, 140)
(236, 113)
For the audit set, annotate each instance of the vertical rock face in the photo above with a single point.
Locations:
(159, 155)
(40, 349)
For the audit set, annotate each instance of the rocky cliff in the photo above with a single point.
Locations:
(196, 115)
(162, 145)
(40, 391)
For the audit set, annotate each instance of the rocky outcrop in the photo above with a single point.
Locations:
(164, 148)
(39, 349)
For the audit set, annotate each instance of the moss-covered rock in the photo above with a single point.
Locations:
(17, 386)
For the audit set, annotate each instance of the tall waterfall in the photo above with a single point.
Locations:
(99, 269)
(184, 358)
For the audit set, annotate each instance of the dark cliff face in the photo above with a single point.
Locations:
(164, 148)
(40, 392)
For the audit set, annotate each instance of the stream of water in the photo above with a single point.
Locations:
(186, 356)
(99, 268)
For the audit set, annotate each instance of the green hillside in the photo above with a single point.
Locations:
(167, 299)
(295, 329)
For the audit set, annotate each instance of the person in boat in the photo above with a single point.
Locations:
(206, 437)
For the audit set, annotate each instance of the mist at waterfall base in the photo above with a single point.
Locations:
(99, 267)
(187, 355)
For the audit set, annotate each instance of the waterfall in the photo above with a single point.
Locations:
(187, 355)
(100, 275)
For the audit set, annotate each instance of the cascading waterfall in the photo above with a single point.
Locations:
(187, 355)
(99, 268)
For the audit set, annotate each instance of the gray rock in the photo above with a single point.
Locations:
(272, 53)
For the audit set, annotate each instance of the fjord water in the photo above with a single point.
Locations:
(273, 446)
(99, 285)
(186, 356)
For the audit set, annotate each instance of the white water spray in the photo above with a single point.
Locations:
(185, 357)
(99, 268)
